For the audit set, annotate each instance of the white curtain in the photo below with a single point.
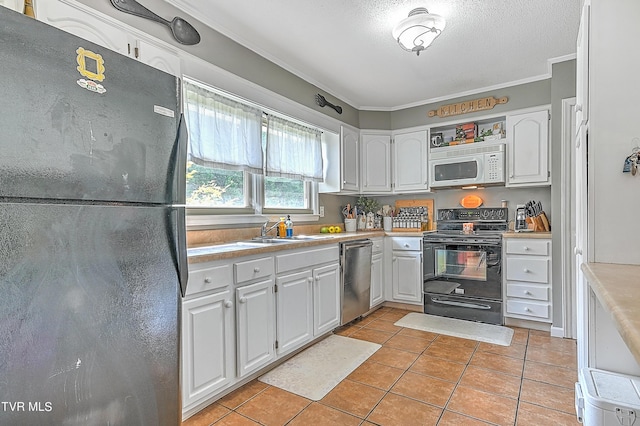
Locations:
(223, 133)
(293, 151)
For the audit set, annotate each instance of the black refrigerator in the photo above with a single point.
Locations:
(92, 236)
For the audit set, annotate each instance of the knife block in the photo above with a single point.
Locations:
(538, 223)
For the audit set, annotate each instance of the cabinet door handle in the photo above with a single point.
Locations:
(318, 278)
(207, 280)
(310, 279)
(256, 269)
(577, 251)
(578, 107)
(243, 300)
(228, 304)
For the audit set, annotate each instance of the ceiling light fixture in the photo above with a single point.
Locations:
(416, 32)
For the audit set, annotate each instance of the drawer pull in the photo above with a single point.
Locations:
(526, 248)
(526, 271)
(243, 300)
(256, 269)
(228, 304)
(407, 245)
(527, 310)
(207, 280)
(527, 292)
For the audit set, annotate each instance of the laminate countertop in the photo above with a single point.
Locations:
(230, 250)
(616, 286)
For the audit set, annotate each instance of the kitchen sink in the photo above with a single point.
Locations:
(221, 248)
(311, 237)
(268, 240)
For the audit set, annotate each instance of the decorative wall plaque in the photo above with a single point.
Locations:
(467, 107)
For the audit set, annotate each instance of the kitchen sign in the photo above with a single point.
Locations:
(467, 107)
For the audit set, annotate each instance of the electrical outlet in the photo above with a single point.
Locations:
(321, 211)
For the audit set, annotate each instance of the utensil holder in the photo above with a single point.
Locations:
(350, 225)
(387, 223)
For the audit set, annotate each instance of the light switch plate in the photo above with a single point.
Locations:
(321, 211)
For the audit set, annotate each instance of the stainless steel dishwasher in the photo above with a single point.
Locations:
(355, 262)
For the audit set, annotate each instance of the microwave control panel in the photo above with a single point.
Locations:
(494, 171)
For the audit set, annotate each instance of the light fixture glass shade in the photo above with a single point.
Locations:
(416, 32)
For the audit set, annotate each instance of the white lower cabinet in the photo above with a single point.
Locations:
(377, 273)
(406, 269)
(321, 267)
(527, 279)
(239, 316)
(294, 311)
(208, 333)
(255, 326)
(326, 298)
(208, 345)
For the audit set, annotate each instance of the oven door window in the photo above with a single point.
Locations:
(456, 171)
(461, 264)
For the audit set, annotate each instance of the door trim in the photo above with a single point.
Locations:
(567, 204)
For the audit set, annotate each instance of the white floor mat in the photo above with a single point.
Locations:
(319, 368)
(488, 333)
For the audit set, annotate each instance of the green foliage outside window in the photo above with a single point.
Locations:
(208, 187)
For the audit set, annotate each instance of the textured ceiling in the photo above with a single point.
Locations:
(346, 47)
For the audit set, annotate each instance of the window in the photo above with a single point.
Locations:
(245, 160)
(285, 194)
(212, 187)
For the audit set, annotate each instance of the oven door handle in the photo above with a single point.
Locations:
(461, 304)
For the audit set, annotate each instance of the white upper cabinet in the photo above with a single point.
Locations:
(105, 31)
(153, 55)
(376, 163)
(410, 171)
(350, 159)
(582, 67)
(528, 149)
(77, 20)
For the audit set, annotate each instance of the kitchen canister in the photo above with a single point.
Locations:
(350, 225)
(387, 223)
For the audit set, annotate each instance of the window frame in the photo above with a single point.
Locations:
(206, 217)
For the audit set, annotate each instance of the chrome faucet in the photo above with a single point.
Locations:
(264, 230)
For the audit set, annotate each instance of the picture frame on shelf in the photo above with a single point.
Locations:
(437, 140)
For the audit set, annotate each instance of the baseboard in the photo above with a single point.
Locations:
(533, 325)
(557, 332)
(405, 306)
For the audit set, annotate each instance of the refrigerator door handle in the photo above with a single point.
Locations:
(179, 189)
(180, 235)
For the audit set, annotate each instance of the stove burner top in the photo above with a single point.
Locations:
(488, 224)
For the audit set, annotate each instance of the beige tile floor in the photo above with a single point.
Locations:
(422, 378)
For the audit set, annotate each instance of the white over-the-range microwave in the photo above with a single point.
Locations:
(467, 165)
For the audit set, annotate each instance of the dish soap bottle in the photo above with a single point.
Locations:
(282, 228)
(289, 226)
